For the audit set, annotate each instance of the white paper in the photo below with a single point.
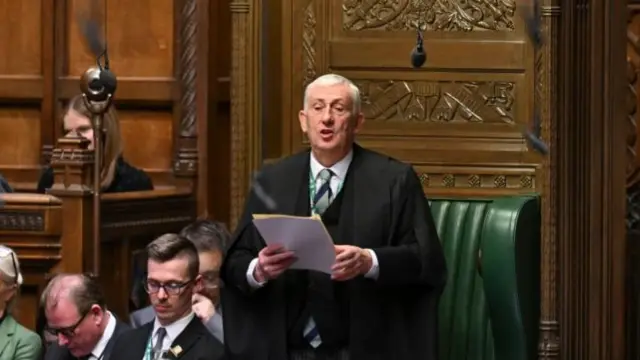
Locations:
(305, 236)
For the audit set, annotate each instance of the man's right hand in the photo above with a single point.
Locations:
(273, 260)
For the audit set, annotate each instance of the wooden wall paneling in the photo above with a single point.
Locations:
(246, 136)
(142, 45)
(25, 83)
(458, 120)
(590, 179)
(217, 146)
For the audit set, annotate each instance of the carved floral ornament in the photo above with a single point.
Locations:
(447, 15)
(485, 181)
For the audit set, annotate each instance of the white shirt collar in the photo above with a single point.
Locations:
(339, 169)
(174, 329)
(98, 350)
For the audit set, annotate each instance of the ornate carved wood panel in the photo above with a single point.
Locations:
(459, 118)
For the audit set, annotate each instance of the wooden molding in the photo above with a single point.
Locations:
(245, 106)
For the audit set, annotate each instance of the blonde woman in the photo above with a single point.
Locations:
(16, 341)
(117, 175)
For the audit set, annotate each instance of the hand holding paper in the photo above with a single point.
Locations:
(273, 260)
(305, 237)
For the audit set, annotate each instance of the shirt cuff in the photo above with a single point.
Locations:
(253, 283)
(375, 268)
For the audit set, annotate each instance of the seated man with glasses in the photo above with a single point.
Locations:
(172, 280)
(210, 238)
(76, 313)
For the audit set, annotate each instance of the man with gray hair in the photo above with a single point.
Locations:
(76, 313)
(380, 301)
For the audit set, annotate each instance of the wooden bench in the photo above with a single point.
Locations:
(53, 232)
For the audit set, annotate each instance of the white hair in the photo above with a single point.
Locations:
(331, 80)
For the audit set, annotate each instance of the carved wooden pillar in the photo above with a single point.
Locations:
(186, 159)
(589, 168)
(72, 165)
(633, 181)
(245, 124)
(546, 100)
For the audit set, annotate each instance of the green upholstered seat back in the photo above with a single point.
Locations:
(490, 305)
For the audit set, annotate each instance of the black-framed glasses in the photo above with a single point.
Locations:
(68, 331)
(5, 251)
(171, 287)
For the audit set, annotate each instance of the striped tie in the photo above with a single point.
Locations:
(323, 196)
(321, 202)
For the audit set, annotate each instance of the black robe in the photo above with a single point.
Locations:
(393, 317)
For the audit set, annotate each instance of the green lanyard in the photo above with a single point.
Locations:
(147, 351)
(312, 193)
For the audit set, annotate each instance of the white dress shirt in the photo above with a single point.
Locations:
(339, 170)
(98, 351)
(173, 331)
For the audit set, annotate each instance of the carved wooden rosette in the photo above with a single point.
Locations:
(245, 127)
(186, 157)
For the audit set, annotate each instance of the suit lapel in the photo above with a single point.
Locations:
(187, 338)
(120, 328)
(139, 339)
(7, 330)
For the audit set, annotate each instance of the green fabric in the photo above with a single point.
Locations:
(17, 342)
(492, 314)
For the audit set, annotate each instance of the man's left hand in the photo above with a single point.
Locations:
(203, 307)
(351, 261)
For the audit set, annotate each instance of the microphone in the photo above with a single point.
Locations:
(418, 55)
(98, 83)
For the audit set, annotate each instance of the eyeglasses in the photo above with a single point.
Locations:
(171, 288)
(69, 331)
(5, 251)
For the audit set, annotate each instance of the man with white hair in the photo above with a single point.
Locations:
(380, 302)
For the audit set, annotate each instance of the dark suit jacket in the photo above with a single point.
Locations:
(195, 340)
(391, 317)
(147, 314)
(126, 178)
(57, 352)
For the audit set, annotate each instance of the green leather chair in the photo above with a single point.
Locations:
(490, 306)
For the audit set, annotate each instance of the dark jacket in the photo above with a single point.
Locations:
(126, 178)
(57, 352)
(4, 186)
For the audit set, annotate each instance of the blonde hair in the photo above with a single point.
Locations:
(9, 281)
(112, 146)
